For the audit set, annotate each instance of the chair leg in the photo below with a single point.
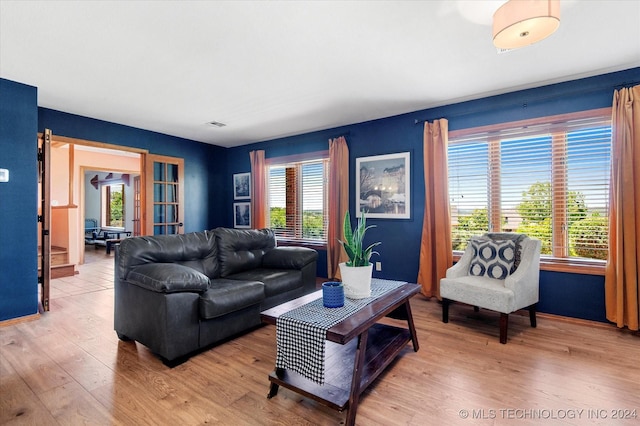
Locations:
(532, 315)
(445, 309)
(504, 323)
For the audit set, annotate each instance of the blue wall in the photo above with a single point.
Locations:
(575, 295)
(204, 164)
(18, 200)
(20, 120)
(209, 170)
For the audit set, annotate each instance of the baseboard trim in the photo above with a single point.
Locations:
(19, 320)
(590, 323)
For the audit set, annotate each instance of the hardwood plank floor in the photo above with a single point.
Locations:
(68, 367)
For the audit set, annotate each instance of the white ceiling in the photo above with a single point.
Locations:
(270, 69)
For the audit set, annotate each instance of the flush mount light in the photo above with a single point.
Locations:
(519, 23)
(216, 124)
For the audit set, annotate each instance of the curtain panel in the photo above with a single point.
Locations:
(436, 254)
(259, 187)
(622, 298)
(338, 203)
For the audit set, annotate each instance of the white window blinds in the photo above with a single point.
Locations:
(549, 181)
(298, 200)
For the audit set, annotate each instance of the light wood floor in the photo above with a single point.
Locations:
(68, 367)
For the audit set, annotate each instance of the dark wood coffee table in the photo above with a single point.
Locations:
(358, 350)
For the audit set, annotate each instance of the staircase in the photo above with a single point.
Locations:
(60, 266)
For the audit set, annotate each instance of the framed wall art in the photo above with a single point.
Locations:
(242, 215)
(382, 186)
(242, 186)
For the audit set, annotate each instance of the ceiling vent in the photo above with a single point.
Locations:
(216, 124)
(501, 50)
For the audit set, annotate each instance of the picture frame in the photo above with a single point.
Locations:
(242, 215)
(383, 186)
(242, 186)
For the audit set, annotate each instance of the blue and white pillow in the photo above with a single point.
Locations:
(493, 259)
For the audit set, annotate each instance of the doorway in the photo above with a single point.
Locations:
(108, 201)
(70, 159)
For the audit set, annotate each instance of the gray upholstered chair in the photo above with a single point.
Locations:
(498, 271)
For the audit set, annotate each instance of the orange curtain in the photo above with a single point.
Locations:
(338, 203)
(260, 189)
(622, 298)
(435, 248)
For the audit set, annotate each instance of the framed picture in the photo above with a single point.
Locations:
(242, 215)
(242, 186)
(382, 186)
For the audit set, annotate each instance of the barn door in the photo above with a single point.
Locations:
(44, 216)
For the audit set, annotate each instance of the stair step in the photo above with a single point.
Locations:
(59, 256)
(59, 271)
(59, 259)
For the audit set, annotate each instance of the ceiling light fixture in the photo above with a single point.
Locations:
(519, 23)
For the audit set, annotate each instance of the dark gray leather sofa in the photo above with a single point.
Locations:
(177, 294)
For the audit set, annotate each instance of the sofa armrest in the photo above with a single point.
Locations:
(289, 257)
(168, 278)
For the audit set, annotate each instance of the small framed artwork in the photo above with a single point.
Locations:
(242, 215)
(382, 186)
(242, 186)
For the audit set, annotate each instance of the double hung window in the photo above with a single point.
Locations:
(547, 178)
(298, 200)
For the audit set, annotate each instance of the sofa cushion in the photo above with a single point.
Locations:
(493, 259)
(225, 296)
(484, 292)
(197, 250)
(241, 250)
(276, 281)
(289, 257)
(168, 278)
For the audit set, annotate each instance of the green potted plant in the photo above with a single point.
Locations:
(356, 273)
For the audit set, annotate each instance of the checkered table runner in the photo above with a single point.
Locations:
(301, 332)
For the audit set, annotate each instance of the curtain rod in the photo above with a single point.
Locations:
(345, 134)
(525, 103)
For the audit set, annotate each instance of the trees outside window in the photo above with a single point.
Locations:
(112, 205)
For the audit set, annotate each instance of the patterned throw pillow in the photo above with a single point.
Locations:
(493, 259)
(517, 240)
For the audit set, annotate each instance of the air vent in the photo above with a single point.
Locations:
(216, 124)
(500, 50)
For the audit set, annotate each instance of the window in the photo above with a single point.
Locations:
(298, 200)
(546, 178)
(112, 206)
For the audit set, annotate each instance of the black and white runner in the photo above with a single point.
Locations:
(301, 332)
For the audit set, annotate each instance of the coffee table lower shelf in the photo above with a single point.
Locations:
(384, 343)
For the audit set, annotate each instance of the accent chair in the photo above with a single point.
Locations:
(499, 272)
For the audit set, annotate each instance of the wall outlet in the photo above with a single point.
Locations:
(4, 175)
(378, 266)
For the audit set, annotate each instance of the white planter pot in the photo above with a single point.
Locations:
(356, 280)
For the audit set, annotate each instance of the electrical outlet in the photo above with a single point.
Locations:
(378, 266)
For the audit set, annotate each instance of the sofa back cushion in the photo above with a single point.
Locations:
(197, 250)
(240, 250)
